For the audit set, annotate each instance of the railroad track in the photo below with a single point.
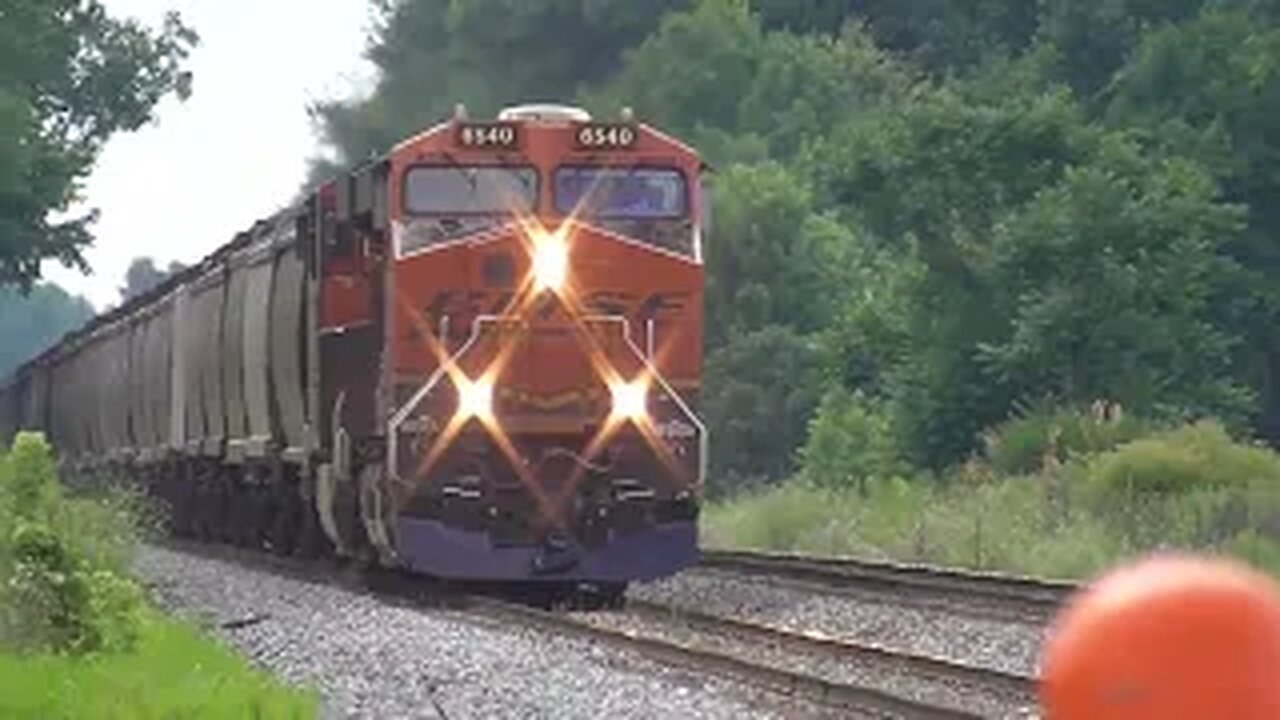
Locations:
(851, 696)
(985, 595)
(979, 678)
(848, 677)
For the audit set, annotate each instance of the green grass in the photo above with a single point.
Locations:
(174, 672)
(1191, 488)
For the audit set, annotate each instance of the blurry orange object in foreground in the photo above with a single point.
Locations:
(1169, 638)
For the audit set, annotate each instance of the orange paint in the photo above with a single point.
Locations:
(555, 358)
(346, 293)
(1169, 638)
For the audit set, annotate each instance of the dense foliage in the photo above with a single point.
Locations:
(929, 213)
(29, 324)
(70, 77)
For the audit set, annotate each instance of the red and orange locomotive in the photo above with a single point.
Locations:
(535, 297)
(477, 357)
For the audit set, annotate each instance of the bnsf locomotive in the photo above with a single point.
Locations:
(477, 357)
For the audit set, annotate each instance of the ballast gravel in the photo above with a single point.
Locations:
(1011, 647)
(369, 658)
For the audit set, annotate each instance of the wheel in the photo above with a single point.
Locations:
(223, 489)
(337, 507)
(312, 541)
(601, 596)
(378, 513)
(285, 508)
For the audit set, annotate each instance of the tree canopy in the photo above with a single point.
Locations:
(30, 324)
(143, 275)
(71, 76)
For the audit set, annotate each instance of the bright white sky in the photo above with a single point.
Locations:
(237, 149)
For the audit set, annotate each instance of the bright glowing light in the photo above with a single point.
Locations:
(475, 399)
(550, 260)
(630, 400)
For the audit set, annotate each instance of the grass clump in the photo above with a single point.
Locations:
(77, 637)
(1120, 488)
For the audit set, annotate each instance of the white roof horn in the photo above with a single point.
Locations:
(545, 112)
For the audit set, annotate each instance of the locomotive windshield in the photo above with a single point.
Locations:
(621, 193)
(470, 190)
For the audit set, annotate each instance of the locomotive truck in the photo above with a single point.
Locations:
(477, 357)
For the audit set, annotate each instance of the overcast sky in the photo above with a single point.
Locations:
(237, 149)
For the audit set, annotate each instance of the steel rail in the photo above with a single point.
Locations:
(922, 666)
(988, 595)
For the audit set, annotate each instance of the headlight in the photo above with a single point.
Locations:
(630, 399)
(550, 260)
(475, 399)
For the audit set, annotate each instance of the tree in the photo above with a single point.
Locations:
(70, 77)
(433, 54)
(29, 324)
(1041, 256)
(1212, 87)
(1110, 277)
(804, 81)
(941, 35)
(771, 258)
(694, 70)
(1094, 38)
(143, 275)
(772, 264)
(762, 388)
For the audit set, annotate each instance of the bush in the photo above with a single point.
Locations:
(59, 602)
(1194, 457)
(850, 442)
(47, 597)
(30, 478)
(1043, 434)
(63, 561)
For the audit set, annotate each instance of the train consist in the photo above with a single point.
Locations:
(477, 357)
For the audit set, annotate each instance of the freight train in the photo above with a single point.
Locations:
(477, 357)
